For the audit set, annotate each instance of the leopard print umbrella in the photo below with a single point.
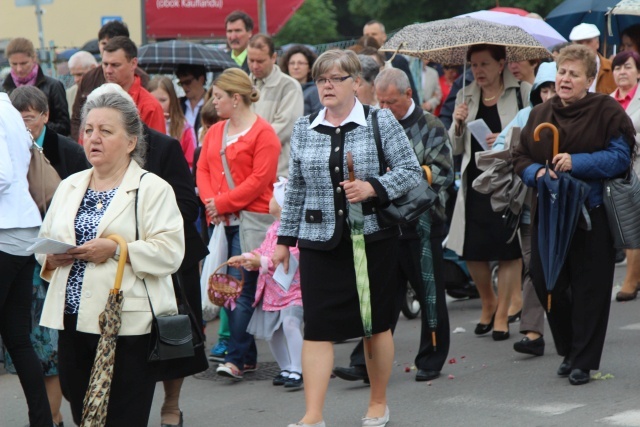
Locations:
(446, 41)
(96, 399)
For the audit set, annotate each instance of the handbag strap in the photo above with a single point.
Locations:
(38, 153)
(225, 164)
(138, 237)
(378, 140)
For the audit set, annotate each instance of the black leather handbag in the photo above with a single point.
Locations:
(622, 204)
(171, 336)
(409, 207)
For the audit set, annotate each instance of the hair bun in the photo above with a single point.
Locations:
(254, 96)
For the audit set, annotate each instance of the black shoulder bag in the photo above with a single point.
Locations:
(171, 336)
(405, 208)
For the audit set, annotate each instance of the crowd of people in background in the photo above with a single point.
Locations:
(262, 150)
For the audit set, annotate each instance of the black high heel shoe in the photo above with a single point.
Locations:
(515, 317)
(482, 329)
(500, 335)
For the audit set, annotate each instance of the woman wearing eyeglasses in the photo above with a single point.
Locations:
(315, 212)
(297, 62)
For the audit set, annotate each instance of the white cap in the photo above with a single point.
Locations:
(278, 190)
(584, 32)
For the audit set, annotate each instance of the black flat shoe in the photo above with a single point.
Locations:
(500, 335)
(515, 317)
(565, 368)
(482, 329)
(529, 346)
(579, 377)
(294, 383)
(352, 373)
(427, 375)
(280, 379)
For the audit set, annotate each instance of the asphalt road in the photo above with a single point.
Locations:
(485, 384)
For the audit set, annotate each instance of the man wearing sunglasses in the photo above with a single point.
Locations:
(191, 78)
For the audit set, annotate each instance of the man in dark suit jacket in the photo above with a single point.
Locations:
(376, 30)
(192, 79)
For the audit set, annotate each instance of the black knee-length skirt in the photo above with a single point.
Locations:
(329, 293)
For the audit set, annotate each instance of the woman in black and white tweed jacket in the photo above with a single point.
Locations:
(315, 218)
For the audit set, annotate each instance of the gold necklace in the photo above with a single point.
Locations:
(494, 96)
(100, 205)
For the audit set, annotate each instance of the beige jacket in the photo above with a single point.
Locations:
(281, 103)
(154, 257)
(507, 108)
(633, 111)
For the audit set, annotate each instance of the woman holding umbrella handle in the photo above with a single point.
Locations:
(596, 140)
(477, 233)
(347, 261)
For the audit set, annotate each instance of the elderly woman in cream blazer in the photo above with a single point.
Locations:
(477, 234)
(88, 207)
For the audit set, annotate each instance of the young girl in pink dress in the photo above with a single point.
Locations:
(278, 315)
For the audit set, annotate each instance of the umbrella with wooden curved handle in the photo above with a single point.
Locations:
(556, 137)
(96, 400)
(556, 149)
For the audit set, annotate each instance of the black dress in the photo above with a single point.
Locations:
(485, 236)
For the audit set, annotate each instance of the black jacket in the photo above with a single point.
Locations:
(165, 159)
(66, 156)
(54, 90)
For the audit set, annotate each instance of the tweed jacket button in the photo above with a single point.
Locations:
(337, 169)
(373, 209)
(87, 294)
(336, 149)
(340, 213)
(91, 265)
(337, 130)
(338, 190)
(311, 217)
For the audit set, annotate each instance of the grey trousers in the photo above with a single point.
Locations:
(532, 319)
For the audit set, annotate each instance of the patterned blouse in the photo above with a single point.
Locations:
(86, 226)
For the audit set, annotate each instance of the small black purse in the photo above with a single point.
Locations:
(409, 207)
(171, 336)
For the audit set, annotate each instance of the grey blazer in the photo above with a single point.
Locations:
(315, 207)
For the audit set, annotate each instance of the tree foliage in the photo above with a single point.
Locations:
(314, 23)
(396, 14)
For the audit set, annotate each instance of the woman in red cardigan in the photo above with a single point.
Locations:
(251, 148)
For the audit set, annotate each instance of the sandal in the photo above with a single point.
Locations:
(250, 368)
(229, 371)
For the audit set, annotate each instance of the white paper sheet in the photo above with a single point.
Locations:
(284, 280)
(49, 246)
(480, 131)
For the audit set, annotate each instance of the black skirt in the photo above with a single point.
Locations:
(329, 293)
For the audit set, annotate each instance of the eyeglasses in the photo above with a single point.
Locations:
(31, 120)
(185, 82)
(298, 63)
(334, 80)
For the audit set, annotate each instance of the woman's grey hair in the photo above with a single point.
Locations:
(128, 115)
(370, 68)
(346, 60)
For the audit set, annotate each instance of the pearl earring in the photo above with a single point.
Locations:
(235, 105)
